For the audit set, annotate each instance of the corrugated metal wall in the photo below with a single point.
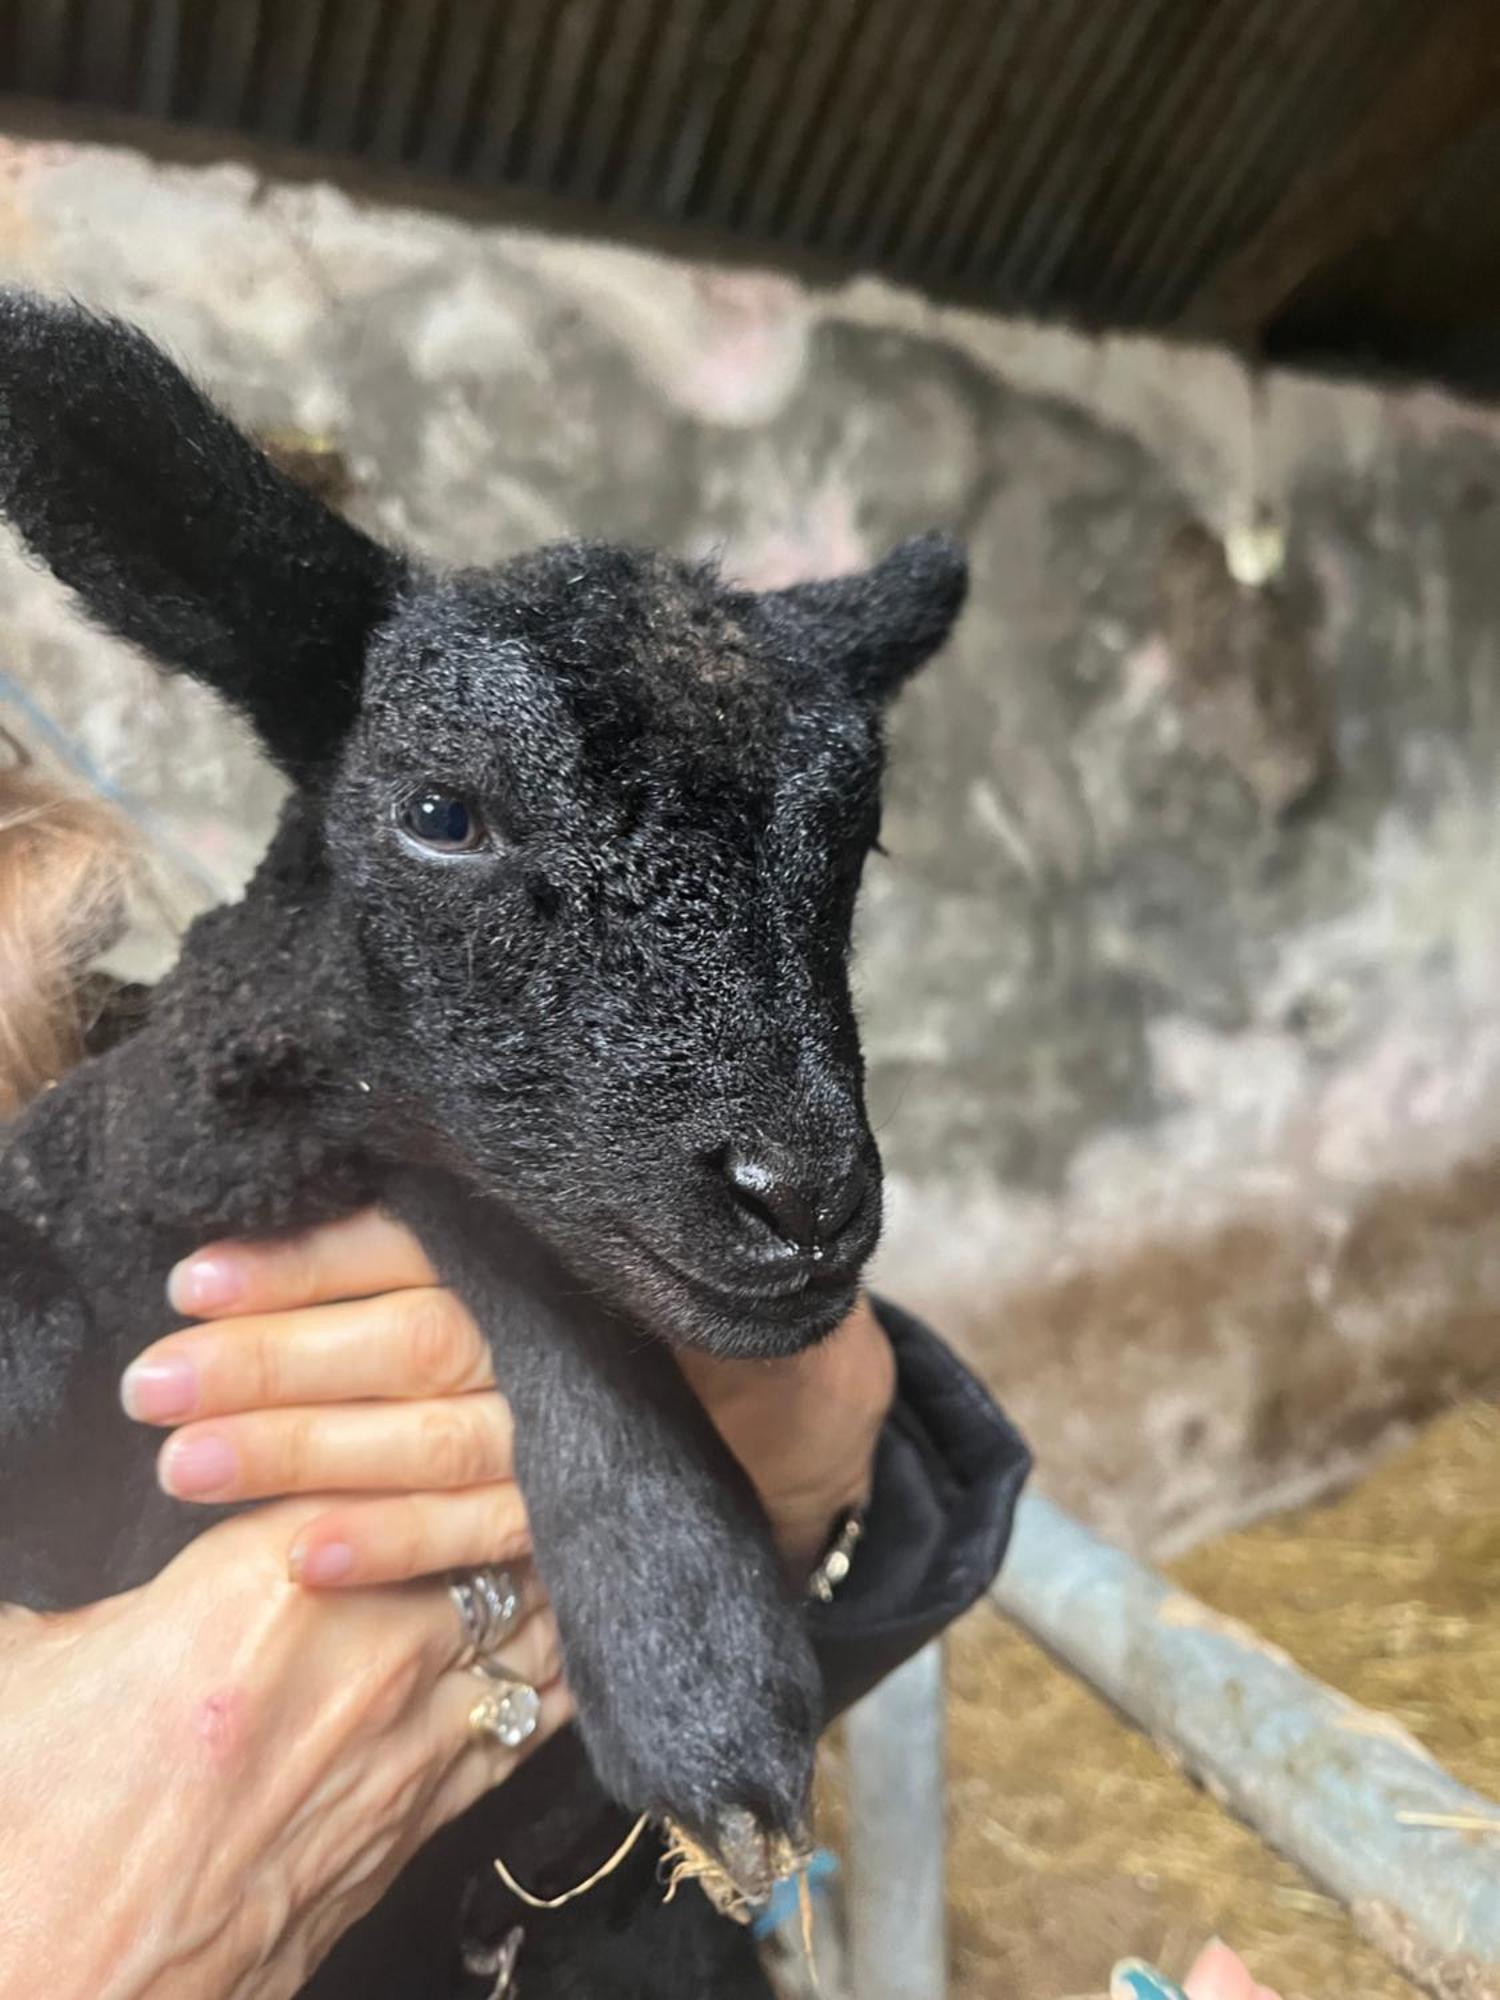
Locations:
(1097, 159)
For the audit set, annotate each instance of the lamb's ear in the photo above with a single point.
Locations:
(177, 533)
(882, 623)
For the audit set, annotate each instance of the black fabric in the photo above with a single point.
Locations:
(949, 1469)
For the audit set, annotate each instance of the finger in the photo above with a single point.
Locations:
(479, 1761)
(445, 1638)
(417, 1342)
(480, 1766)
(411, 1535)
(532, 1650)
(448, 1442)
(1220, 1974)
(364, 1254)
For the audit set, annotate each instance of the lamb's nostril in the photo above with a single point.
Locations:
(764, 1187)
(803, 1207)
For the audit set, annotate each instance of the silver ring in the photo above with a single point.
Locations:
(488, 1603)
(510, 1707)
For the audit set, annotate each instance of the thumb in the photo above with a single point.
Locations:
(1220, 1974)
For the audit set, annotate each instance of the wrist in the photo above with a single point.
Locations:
(79, 1783)
(806, 1429)
(837, 1559)
(806, 1526)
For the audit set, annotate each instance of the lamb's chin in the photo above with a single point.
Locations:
(735, 1326)
(688, 1308)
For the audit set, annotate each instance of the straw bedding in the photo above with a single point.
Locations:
(1073, 1842)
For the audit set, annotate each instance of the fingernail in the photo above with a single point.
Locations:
(1133, 1979)
(194, 1468)
(324, 1562)
(159, 1391)
(205, 1284)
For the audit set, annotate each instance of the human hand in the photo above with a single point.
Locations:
(805, 1428)
(1217, 1974)
(334, 1362)
(209, 1778)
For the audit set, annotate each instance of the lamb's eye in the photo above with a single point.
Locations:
(442, 823)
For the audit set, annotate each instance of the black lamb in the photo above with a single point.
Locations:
(548, 954)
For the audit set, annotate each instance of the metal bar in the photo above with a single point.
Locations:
(1123, 164)
(869, 160)
(957, 53)
(520, 50)
(869, 57)
(592, 79)
(449, 124)
(1075, 64)
(347, 44)
(990, 171)
(159, 51)
(811, 92)
(1080, 164)
(290, 50)
(711, 102)
(675, 165)
(658, 113)
(404, 77)
(1153, 122)
(1253, 81)
(1172, 127)
(971, 127)
(106, 39)
(729, 179)
(1185, 252)
(42, 33)
(608, 113)
(1343, 1792)
(527, 152)
(894, 1737)
(225, 90)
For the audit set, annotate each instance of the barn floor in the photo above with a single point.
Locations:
(1074, 1843)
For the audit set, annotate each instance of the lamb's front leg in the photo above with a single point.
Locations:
(696, 1689)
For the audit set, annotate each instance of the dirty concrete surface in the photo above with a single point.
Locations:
(1181, 975)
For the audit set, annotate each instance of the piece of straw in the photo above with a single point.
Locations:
(582, 1889)
(1456, 1822)
(688, 1861)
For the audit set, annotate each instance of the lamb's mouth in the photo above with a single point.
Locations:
(809, 1304)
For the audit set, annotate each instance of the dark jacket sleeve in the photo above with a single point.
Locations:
(948, 1470)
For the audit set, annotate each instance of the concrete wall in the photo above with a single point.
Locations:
(1182, 977)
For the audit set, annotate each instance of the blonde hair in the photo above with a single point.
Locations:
(67, 863)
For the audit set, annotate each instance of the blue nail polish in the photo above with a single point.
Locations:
(1133, 1979)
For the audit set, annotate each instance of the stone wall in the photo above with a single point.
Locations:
(1182, 975)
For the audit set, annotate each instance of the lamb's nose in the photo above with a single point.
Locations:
(803, 1204)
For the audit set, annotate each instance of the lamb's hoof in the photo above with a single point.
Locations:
(739, 1864)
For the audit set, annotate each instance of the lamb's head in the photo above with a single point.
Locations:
(602, 819)
(596, 821)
